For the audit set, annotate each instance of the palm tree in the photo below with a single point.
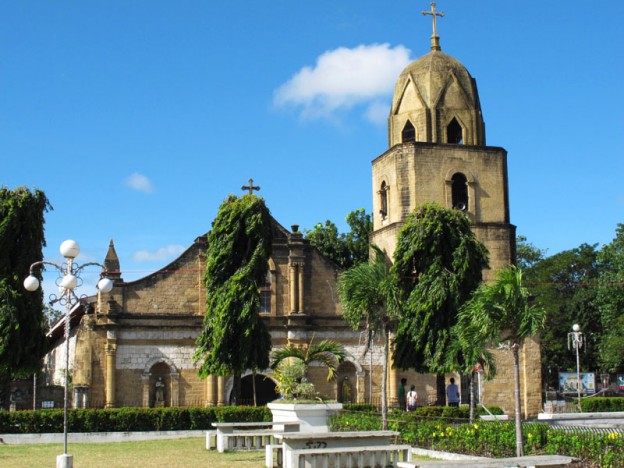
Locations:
(328, 353)
(368, 293)
(468, 358)
(501, 314)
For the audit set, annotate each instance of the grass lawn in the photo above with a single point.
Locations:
(169, 453)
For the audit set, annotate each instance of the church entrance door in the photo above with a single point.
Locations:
(265, 390)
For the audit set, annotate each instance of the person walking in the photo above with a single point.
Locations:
(452, 393)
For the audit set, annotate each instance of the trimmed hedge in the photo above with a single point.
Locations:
(453, 412)
(602, 404)
(128, 419)
(428, 412)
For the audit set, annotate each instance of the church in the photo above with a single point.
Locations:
(134, 346)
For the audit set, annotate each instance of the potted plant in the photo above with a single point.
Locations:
(300, 401)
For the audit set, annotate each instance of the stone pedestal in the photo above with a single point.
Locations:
(312, 417)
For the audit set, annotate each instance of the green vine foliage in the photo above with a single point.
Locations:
(22, 322)
(233, 337)
(438, 262)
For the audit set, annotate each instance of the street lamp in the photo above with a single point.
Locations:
(575, 341)
(68, 280)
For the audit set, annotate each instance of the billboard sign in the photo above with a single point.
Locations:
(567, 382)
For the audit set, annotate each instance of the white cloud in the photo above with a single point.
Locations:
(343, 78)
(164, 253)
(377, 112)
(140, 183)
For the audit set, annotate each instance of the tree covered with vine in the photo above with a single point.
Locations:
(438, 262)
(233, 337)
(22, 322)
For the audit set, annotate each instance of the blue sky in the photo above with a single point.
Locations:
(138, 118)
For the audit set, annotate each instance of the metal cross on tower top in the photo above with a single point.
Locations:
(251, 187)
(435, 39)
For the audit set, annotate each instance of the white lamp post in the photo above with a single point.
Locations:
(575, 341)
(68, 280)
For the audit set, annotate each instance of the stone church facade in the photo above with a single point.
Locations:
(144, 331)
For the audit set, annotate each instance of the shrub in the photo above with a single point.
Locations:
(127, 419)
(602, 404)
(359, 407)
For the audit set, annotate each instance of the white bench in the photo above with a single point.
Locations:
(531, 461)
(355, 457)
(247, 435)
(322, 449)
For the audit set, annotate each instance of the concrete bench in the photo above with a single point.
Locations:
(302, 446)
(534, 461)
(247, 435)
(354, 457)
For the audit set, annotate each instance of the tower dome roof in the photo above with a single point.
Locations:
(429, 94)
(431, 73)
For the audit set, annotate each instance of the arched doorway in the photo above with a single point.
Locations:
(266, 390)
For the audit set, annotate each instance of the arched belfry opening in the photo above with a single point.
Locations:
(459, 189)
(409, 132)
(454, 133)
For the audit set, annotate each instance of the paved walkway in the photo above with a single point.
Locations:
(54, 438)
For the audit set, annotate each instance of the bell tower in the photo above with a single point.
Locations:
(437, 153)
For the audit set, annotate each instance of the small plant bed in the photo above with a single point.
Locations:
(303, 401)
(491, 439)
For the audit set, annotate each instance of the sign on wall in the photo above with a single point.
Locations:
(567, 382)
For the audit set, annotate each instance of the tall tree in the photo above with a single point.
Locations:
(233, 337)
(22, 323)
(347, 249)
(369, 294)
(527, 254)
(330, 242)
(610, 301)
(439, 263)
(361, 225)
(564, 285)
(501, 313)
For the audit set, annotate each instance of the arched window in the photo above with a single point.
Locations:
(454, 133)
(265, 295)
(409, 132)
(459, 188)
(383, 200)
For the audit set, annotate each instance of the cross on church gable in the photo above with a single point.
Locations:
(251, 187)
